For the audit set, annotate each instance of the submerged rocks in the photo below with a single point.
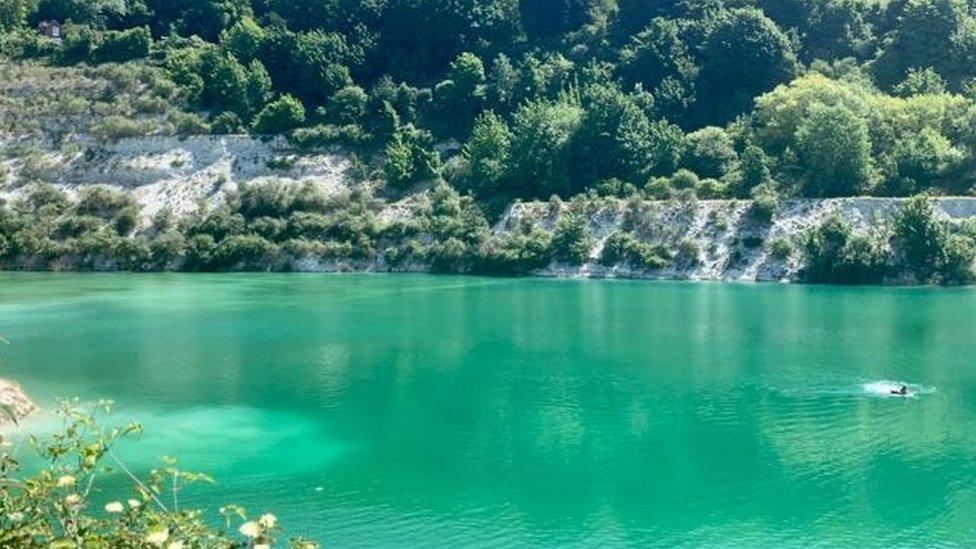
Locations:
(15, 401)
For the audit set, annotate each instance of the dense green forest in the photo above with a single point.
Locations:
(482, 102)
(794, 97)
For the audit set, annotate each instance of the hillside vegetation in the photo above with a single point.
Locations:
(492, 101)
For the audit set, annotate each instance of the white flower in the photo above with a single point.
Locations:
(72, 499)
(250, 529)
(66, 481)
(114, 507)
(268, 521)
(158, 538)
(134, 503)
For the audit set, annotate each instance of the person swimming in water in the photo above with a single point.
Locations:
(901, 391)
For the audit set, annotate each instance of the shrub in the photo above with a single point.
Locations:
(572, 240)
(615, 188)
(244, 252)
(350, 135)
(658, 188)
(226, 123)
(279, 116)
(121, 46)
(920, 238)
(200, 251)
(684, 179)
(116, 127)
(50, 505)
(623, 247)
(103, 202)
(765, 203)
(780, 248)
(835, 255)
(927, 249)
(689, 252)
(185, 124)
(409, 158)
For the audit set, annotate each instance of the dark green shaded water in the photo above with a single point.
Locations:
(463, 411)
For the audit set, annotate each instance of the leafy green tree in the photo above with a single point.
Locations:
(543, 135)
(13, 13)
(835, 149)
(226, 82)
(121, 46)
(348, 105)
(244, 39)
(921, 81)
(79, 11)
(487, 154)
(279, 116)
(920, 237)
(753, 171)
(929, 33)
(834, 254)
(548, 18)
(209, 18)
(659, 60)
(462, 94)
(409, 158)
(744, 54)
(709, 152)
(617, 139)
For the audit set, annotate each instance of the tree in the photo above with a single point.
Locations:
(921, 81)
(930, 33)
(409, 158)
(348, 105)
(13, 13)
(709, 152)
(617, 139)
(745, 54)
(209, 18)
(487, 153)
(543, 132)
(659, 60)
(548, 18)
(280, 116)
(835, 149)
(79, 11)
(121, 46)
(243, 39)
(462, 94)
(753, 171)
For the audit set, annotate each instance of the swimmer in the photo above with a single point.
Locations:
(901, 391)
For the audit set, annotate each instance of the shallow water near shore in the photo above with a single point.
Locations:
(415, 410)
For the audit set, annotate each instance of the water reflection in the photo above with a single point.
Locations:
(434, 410)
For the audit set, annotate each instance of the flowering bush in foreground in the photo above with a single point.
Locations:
(51, 506)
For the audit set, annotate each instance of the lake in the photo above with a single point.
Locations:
(412, 410)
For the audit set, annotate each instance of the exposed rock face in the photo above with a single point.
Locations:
(13, 397)
(724, 242)
(178, 174)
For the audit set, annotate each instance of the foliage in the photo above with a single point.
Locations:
(834, 147)
(282, 115)
(834, 254)
(927, 248)
(572, 240)
(47, 501)
(624, 247)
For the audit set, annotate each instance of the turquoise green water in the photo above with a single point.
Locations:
(442, 411)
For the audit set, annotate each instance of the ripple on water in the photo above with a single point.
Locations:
(887, 389)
